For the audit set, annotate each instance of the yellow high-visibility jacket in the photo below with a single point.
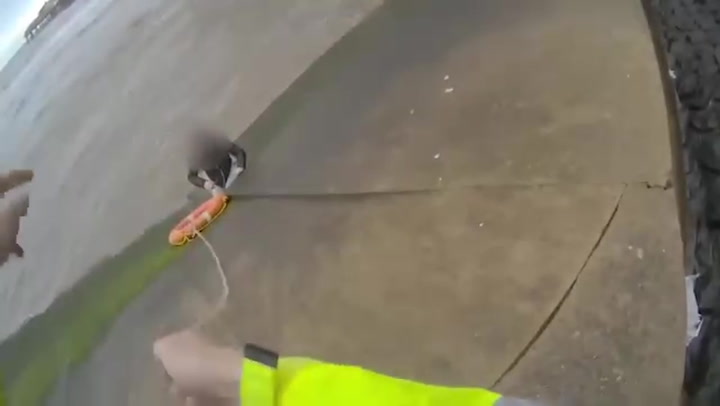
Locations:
(271, 381)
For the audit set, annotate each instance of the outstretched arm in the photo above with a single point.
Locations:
(202, 370)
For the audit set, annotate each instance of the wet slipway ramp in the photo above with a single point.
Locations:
(463, 192)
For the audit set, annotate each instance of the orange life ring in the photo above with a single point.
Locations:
(198, 220)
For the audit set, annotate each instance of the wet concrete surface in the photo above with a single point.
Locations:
(525, 79)
(439, 276)
(439, 228)
(618, 334)
(97, 105)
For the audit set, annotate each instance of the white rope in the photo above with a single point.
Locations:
(222, 302)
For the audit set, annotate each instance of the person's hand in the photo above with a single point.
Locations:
(201, 373)
(14, 178)
(10, 227)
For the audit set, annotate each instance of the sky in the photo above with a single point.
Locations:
(15, 16)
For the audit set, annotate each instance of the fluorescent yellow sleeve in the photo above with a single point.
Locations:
(306, 382)
(258, 384)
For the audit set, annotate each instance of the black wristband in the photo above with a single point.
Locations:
(261, 355)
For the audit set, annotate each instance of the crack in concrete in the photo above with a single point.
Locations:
(429, 190)
(561, 302)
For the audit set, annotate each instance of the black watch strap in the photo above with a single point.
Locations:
(261, 355)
